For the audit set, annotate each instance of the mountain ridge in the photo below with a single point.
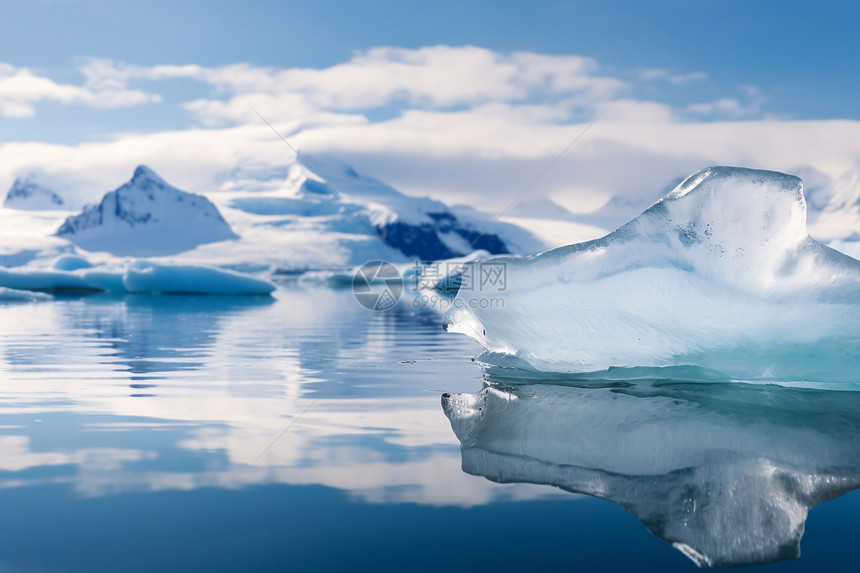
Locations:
(146, 216)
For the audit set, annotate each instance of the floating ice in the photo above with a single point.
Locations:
(416, 275)
(41, 280)
(726, 476)
(719, 274)
(71, 263)
(13, 295)
(145, 277)
(138, 276)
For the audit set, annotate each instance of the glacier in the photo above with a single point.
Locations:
(720, 275)
(727, 475)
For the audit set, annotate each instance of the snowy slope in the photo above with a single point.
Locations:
(147, 217)
(335, 197)
(28, 195)
(835, 216)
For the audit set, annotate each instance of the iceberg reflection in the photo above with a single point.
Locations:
(726, 473)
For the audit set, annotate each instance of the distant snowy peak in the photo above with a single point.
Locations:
(419, 227)
(143, 175)
(835, 210)
(29, 195)
(840, 194)
(147, 217)
(322, 195)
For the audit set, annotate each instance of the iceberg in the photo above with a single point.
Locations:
(720, 274)
(137, 277)
(145, 277)
(727, 475)
(71, 263)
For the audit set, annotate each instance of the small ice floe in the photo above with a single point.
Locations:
(137, 276)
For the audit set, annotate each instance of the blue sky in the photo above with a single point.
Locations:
(803, 56)
(538, 70)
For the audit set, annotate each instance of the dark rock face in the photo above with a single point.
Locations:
(487, 242)
(424, 241)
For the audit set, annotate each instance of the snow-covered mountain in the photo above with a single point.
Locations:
(147, 217)
(835, 207)
(335, 196)
(28, 195)
(321, 216)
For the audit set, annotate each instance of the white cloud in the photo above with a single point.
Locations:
(653, 74)
(433, 77)
(638, 111)
(731, 107)
(560, 88)
(21, 89)
(244, 108)
(680, 79)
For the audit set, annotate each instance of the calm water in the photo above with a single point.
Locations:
(306, 433)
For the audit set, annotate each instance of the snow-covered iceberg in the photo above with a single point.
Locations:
(726, 475)
(147, 217)
(719, 274)
(136, 277)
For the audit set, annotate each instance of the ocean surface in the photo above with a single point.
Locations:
(307, 433)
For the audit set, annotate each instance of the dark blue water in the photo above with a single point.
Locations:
(306, 433)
